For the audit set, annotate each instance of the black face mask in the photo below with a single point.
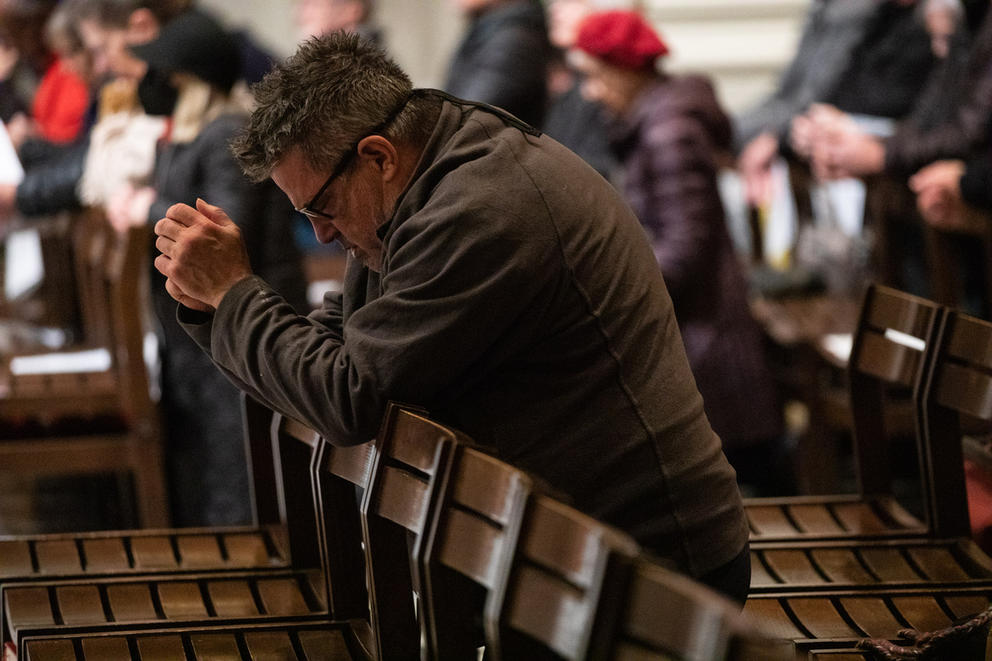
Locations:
(157, 95)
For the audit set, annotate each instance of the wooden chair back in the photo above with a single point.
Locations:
(411, 453)
(341, 480)
(957, 393)
(115, 425)
(667, 615)
(560, 588)
(477, 521)
(888, 351)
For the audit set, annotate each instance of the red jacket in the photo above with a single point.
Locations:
(59, 105)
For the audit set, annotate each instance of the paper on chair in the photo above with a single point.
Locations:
(90, 360)
(23, 264)
(838, 345)
(11, 171)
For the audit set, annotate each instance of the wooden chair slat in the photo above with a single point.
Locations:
(887, 360)
(889, 565)
(58, 557)
(402, 498)
(161, 648)
(835, 655)
(939, 564)
(872, 616)
(80, 604)
(181, 600)
(106, 649)
(297, 430)
(770, 520)
(483, 484)
(51, 650)
(478, 560)
(105, 555)
(247, 550)
(859, 518)
(671, 613)
(153, 553)
(970, 342)
(841, 566)
(15, 558)
(759, 575)
(966, 605)
(415, 439)
(232, 598)
(282, 596)
(215, 646)
(815, 518)
(562, 544)
(27, 606)
(773, 616)
(550, 610)
(351, 463)
(131, 602)
(966, 390)
(793, 566)
(921, 614)
(269, 645)
(821, 618)
(900, 311)
(327, 645)
(199, 551)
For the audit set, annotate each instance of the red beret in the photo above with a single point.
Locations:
(622, 38)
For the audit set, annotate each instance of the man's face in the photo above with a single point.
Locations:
(603, 83)
(353, 204)
(564, 17)
(319, 17)
(108, 49)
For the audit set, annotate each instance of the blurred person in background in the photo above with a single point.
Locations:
(502, 58)
(571, 119)
(315, 18)
(24, 56)
(185, 74)
(671, 135)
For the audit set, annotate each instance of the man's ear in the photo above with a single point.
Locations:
(142, 26)
(382, 153)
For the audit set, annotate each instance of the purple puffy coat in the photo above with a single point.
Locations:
(669, 143)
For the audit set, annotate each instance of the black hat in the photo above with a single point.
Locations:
(195, 43)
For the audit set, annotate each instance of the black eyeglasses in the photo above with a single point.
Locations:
(307, 209)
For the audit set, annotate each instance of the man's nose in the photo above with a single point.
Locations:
(323, 229)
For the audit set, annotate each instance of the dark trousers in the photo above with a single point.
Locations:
(732, 579)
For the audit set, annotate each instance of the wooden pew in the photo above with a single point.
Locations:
(888, 352)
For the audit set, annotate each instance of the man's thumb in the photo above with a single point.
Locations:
(214, 213)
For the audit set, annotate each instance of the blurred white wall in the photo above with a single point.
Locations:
(742, 44)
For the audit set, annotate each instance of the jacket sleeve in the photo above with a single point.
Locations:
(453, 290)
(912, 147)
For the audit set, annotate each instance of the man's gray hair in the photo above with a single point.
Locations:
(327, 96)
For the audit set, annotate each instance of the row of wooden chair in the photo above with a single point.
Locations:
(86, 408)
(449, 549)
(829, 571)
